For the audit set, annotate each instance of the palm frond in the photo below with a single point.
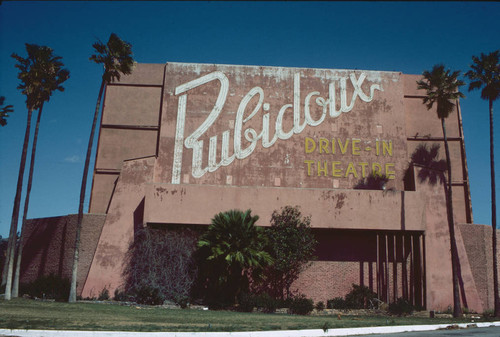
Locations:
(116, 57)
(485, 74)
(442, 89)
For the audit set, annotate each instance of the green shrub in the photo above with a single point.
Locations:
(103, 295)
(360, 297)
(337, 303)
(401, 307)
(148, 295)
(284, 303)
(47, 287)
(121, 296)
(246, 302)
(320, 306)
(182, 301)
(301, 305)
(266, 303)
(489, 315)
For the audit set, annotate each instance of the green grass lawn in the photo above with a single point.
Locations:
(30, 314)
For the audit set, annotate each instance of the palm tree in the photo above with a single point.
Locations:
(442, 89)
(33, 73)
(116, 57)
(49, 77)
(4, 111)
(486, 73)
(232, 246)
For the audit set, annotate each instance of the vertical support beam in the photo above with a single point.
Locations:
(424, 274)
(378, 267)
(422, 268)
(412, 271)
(418, 271)
(394, 268)
(404, 267)
(387, 291)
(370, 275)
(361, 273)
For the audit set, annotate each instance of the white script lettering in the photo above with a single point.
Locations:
(252, 136)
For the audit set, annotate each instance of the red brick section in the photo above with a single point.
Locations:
(477, 241)
(49, 244)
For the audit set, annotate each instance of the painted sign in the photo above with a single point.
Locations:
(252, 136)
(228, 113)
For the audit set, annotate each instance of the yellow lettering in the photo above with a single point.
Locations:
(335, 171)
(323, 145)
(363, 169)
(376, 169)
(391, 174)
(343, 148)
(333, 145)
(310, 145)
(355, 148)
(323, 169)
(377, 147)
(387, 148)
(351, 169)
(308, 162)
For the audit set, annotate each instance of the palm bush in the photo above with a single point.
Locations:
(231, 252)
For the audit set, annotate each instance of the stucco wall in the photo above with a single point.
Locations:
(264, 137)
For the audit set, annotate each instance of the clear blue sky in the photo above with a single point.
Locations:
(409, 37)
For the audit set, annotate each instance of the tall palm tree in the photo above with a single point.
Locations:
(233, 245)
(442, 89)
(50, 75)
(485, 73)
(33, 73)
(116, 58)
(4, 111)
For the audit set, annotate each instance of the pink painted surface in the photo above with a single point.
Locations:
(167, 203)
(299, 168)
(118, 231)
(438, 256)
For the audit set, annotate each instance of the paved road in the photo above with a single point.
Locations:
(482, 332)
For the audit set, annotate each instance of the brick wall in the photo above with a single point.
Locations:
(49, 245)
(347, 257)
(477, 241)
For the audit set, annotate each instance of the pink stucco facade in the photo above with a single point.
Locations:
(181, 142)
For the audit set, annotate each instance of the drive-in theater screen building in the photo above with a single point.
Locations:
(181, 142)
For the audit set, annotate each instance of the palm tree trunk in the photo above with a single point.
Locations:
(15, 286)
(457, 309)
(11, 248)
(493, 215)
(72, 292)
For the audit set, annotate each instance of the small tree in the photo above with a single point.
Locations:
(291, 245)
